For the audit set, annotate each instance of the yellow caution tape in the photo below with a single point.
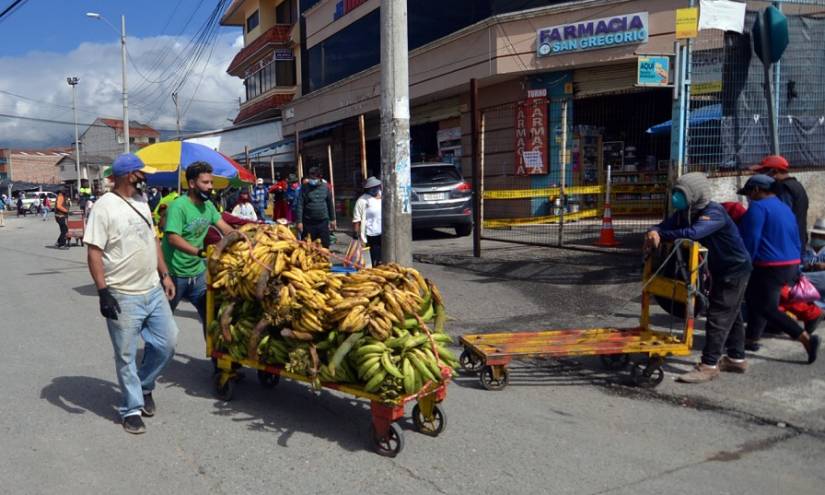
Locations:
(553, 192)
(501, 223)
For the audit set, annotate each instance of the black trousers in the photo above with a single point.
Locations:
(374, 242)
(762, 300)
(64, 229)
(317, 231)
(725, 327)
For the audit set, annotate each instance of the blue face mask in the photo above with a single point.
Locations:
(374, 191)
(314, 182)
(678, 201)
(817, 244)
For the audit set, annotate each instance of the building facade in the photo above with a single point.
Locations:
(36, 166)
(100, 144)
(269, 62)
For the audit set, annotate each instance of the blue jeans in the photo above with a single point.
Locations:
(193, 289)
(149, 317)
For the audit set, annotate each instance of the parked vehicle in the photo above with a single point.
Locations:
(441, 198)
(31, 200)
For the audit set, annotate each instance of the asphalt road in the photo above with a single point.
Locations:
(561, 427)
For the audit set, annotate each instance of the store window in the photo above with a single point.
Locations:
(285, 72)
(252, 22)
(284, 12)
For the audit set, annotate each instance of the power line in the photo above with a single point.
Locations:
(8, 11)
(65, 122)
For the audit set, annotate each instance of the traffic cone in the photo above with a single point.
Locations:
(607, 236)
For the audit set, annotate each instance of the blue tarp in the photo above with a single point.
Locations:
(697, 117)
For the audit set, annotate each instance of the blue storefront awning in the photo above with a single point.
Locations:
(697, 117)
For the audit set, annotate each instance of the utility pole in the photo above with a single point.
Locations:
(125, 85)
(73, 83)
(396, 239)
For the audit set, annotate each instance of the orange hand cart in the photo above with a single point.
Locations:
(77, 226)
(489, 354)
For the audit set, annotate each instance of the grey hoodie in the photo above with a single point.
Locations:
(696, 188)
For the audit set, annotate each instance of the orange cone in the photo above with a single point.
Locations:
(607, 236)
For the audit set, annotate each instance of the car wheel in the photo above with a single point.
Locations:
(463, 230)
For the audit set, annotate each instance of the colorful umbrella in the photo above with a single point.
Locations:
(171, 158)
(244, 177)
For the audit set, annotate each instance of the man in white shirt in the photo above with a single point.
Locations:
(366, 218)
(134, 287)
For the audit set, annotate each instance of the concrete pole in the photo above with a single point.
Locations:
(73, 83)
(396, 239)
(177, 114)
(476, 164)
(363, 134)
(125, 84)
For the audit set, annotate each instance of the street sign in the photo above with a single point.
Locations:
(653, 71)
(687, 23)
(770, 35)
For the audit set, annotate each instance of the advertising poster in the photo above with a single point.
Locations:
(531, 137)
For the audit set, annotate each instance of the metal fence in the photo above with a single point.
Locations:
(728, 124)
(564, 206)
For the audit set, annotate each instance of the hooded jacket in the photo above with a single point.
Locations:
(707, 222)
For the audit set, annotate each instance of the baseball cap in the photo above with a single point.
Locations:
(775, 162)
(758, 181)
(126, 163)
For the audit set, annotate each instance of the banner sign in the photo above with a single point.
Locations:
(531, 136)
(592, 35)
(687, 23)
(653, 70)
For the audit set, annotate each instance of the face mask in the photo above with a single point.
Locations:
(140, 184)
(374, 192)
(204, 196)
(314, 182)
(817, 244)
(678, 201)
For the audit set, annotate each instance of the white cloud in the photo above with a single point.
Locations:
(42, 76)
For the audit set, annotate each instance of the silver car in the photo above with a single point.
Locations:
(441, 198)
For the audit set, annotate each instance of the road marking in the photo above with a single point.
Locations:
(804, 397)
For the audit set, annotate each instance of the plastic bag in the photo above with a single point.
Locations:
(803, 290)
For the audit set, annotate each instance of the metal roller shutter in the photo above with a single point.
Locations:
(605, 79)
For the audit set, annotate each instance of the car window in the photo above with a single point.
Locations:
(434, 175)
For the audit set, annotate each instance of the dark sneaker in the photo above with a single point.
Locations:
(813, 348)
(134, 425)
(148, 408)
(733, 365)
(811, 325)
(752, 345)
(701, 373)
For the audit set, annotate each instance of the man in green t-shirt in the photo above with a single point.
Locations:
(188, 219)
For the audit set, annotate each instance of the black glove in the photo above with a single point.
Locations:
(202, 253)
(109, 307)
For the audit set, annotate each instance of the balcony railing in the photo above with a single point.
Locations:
(276, 35)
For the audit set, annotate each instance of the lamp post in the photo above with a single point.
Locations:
(73, 83)
(95, 15)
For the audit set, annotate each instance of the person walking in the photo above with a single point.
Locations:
(315, 212)
(20, 210)
(61, 216)
(788, 190)
(3, 211)
(700, 219)
(769, 230)
(133, 287)
(47, 207)
(244, 209)
(366, 218)
(291, 196)
(260, 198)
(154, 198)
(188, 218)
(279, 202)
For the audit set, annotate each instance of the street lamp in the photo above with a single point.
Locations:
(73, 83)
(95, 15)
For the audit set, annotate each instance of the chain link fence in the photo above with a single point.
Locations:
(728, 124)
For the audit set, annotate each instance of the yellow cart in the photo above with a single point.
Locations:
(489, 354)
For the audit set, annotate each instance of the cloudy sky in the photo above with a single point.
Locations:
(45, 41)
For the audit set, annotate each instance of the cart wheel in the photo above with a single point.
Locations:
(647, 376)
(615, 362)
(391, 444)
(268, 380)
(430, 427)
(469, 362)
(224, 391)
(488, 379)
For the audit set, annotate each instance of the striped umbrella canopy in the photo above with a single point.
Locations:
(172, 158)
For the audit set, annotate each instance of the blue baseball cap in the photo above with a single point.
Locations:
(126, 163)
(758, 181)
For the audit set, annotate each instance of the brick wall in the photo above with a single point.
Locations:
(34, 167)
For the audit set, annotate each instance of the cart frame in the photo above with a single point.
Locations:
(76, 228)
(489, 354)
(386, 436)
